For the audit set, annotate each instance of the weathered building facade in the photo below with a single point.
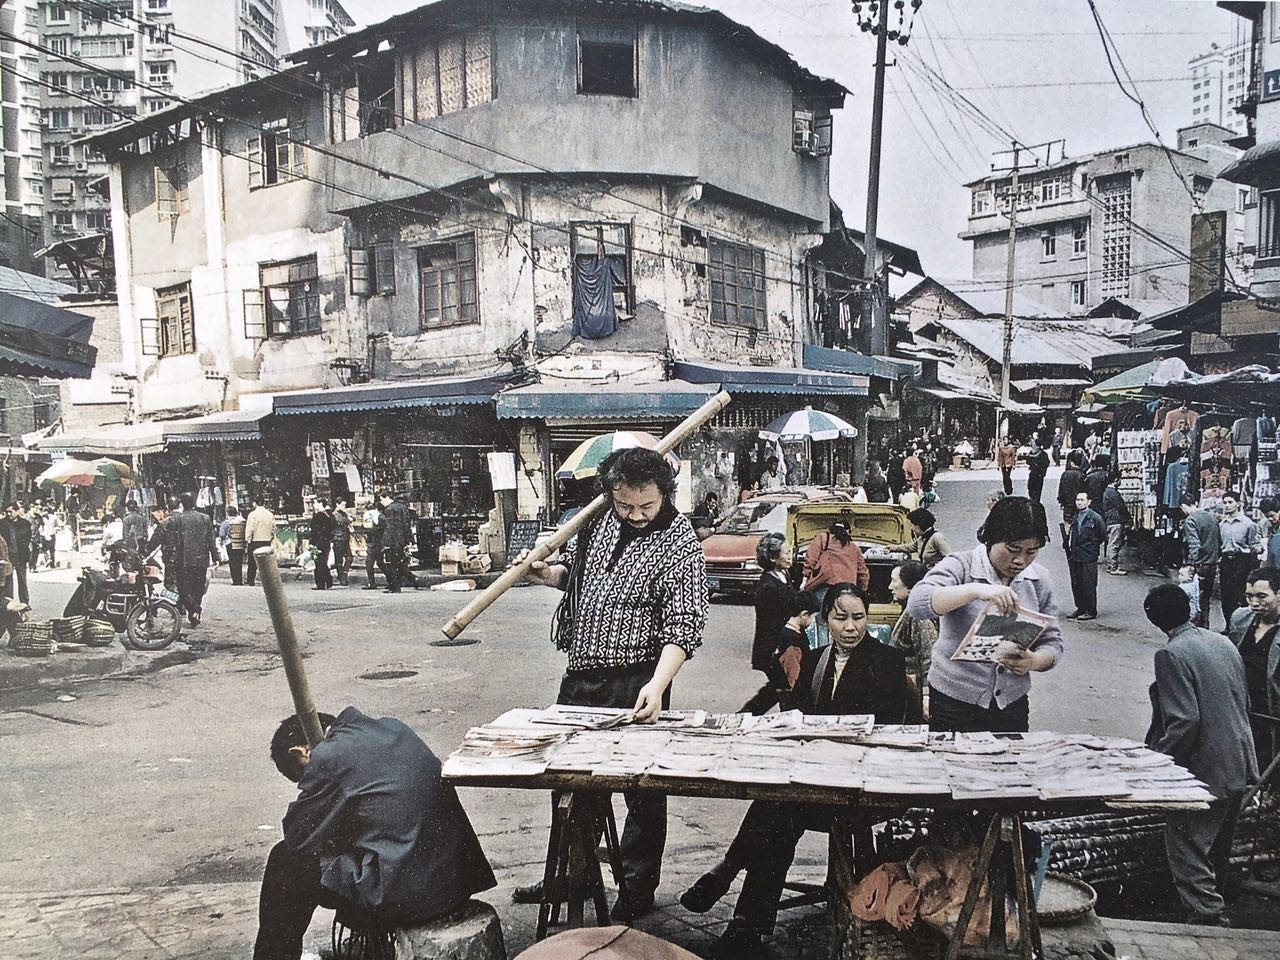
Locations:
(470, 191)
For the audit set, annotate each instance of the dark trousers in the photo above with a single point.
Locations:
(342, 559)
(766, 841)
(252, 573)
(949, 714)
(1233, 570)
(1035, 486)
(768, 696)
(1206, 573)
(1198, 845)
(324, 579)
(1084, 585)
(372, 555)
(644, 836)
(396, 567)
(291, 891)
(190, 583)
(235, 563)
(1007, 474)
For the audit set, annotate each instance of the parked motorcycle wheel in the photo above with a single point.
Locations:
(153, 624)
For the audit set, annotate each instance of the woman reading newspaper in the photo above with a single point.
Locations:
(999, 577)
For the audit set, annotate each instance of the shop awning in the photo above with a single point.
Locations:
(944, 393)
(797, 381)
(849, 361)
(40, 340)
(123, 440)
(391, 395)
(673, 399)
(1132, 384)
(1025, 385)
(1259, 166)
(227, 426)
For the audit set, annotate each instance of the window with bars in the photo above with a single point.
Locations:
(450, 75)
(1268, 225)
(171, 191)
(287, 301)
(447, 283)
(278, 154)
(735, 278)
(372, 270)
(1116, 194)
(177, 326)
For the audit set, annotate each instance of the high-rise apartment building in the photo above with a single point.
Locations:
(20, 232)
(105, 61)
(1219, 82)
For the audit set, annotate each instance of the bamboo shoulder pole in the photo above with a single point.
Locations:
(282, 622)
(463, 618)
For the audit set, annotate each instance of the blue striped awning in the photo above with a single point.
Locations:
(673, 399)
(794, 381)
(391, 395)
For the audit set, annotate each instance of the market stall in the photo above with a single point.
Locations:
(869, 771)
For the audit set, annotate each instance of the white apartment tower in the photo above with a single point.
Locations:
(20, 139)
(102, 62)
(1219, 82)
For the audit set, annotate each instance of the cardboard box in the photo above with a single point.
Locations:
(478, 564)
(450, 568)
(455, 551)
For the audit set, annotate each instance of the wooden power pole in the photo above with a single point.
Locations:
(877, 318)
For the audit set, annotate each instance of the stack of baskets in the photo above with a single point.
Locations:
(32, 639)
(68, 629)
(98, 633)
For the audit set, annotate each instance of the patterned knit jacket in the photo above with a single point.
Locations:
(630, 604)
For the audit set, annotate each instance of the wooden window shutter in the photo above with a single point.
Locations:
(384, 272)
(186, 324)
(296, 153)
(255, 315)
(150, 336)
(254, 153)
(358, 269)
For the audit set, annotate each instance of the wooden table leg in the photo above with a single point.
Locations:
(997, 887)
(611, 843)
(980, 871)
(1029, 944)
(552, 869)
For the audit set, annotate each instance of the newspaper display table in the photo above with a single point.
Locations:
(871, 772)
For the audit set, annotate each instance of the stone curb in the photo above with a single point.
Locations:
(20, 672)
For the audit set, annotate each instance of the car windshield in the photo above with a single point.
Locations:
(752, 517)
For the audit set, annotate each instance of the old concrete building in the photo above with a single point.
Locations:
(472, 196)
(1116, 223)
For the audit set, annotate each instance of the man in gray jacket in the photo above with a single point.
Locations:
(1199, 716)
(1202, 545)
(1253, 630)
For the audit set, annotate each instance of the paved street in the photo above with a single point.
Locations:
(138, 814)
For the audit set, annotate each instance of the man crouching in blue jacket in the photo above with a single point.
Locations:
(374, 834)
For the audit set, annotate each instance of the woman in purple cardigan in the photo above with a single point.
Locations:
(970, 696)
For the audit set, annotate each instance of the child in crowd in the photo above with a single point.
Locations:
(1190, 584)
(793, 641)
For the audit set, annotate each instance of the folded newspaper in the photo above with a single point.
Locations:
(995, 635)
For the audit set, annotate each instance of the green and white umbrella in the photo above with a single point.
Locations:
(808, 424)
(586, 458)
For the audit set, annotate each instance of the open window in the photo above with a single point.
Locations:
(171, 191)
(608, 60)
(364, 101)
(811, 133)
(372, 270)
(176, 327)
(288, 304)
(601, 278)
(277, 154)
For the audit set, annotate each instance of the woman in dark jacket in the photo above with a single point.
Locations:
(853, 674)
(775, 597)
(876, 485)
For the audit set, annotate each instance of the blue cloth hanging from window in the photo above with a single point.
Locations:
(594, 281)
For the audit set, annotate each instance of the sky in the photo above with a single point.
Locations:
(1036, 67)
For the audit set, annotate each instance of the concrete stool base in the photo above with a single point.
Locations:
(472, 932)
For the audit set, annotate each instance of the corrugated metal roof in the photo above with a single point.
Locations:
(1035, 342)
(228, 425)
(990, 303)
(31, 286)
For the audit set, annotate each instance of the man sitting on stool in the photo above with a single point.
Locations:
(374, 834)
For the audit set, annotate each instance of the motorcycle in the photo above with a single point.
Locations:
(130, 595)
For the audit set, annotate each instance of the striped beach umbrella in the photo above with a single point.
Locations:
(808, 424)
(586, 458)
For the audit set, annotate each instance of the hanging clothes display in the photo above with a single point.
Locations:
(595, 278)
(1179, 419)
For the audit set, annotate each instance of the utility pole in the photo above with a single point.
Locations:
(876, 318)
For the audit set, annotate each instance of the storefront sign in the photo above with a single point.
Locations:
(522, 535)
(502, 470)
(319, 460)
(1271, 84)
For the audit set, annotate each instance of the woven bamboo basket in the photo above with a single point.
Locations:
(877, 940)
(33, 639)
(68, 629)
(98, 633)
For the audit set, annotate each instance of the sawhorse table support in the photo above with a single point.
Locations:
(572, 874)
(1000, 860)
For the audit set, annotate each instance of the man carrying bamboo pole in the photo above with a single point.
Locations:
(634, 609)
